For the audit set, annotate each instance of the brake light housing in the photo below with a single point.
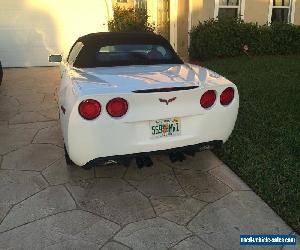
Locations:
(208, 99)
(117, 107)
(227, 96)
(89, 109)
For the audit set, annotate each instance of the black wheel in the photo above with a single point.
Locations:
(67, 157)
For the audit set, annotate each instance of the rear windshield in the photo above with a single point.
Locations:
(126, 54)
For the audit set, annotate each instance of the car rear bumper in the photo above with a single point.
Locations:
(90, 140)
(190, 148)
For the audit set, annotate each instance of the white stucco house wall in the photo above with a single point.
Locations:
(30, 30)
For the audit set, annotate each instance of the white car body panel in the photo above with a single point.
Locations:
(105, 136)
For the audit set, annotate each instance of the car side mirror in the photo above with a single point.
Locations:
(55, 58)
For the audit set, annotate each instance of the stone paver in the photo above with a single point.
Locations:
(44, 204)
(204, 161)
(57, 229)
(110, 171)
(152, 234)
(40, 107)
(115, 246)
(30, 116)
(16, 186)
(73, 244)
(60, 173)
(14, 138)
(33, 157)
(8, 103)
(51, 113)
(135, 174)
(224, 174)
(113, 199)
(50, 135)
(192, 243)
(36, 125)
(50, 98)
(201, 185)
(30, 98)
(15, 91)
(4, 209)
(7, 115)
(3, 124)
(240, 212)
(163, 184)
(177, 209)
(47, 202)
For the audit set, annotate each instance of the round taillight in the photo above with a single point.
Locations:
(227, 96)
(89, 109)
(117, 107)
(208, 99)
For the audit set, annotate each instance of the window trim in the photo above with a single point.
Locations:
(291, 8)
(79, 44)
(240, 8)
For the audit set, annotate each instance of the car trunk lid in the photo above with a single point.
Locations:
(153, 92)
(137, 79)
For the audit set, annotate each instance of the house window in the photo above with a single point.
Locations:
(281, 11)
(140, 4)
(121, 1)
(229, 9)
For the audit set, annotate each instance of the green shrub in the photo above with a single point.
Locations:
(228, 37)
(126, 20)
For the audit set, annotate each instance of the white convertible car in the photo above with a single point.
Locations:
(124, 95)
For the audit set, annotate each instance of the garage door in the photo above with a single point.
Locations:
(30, 30)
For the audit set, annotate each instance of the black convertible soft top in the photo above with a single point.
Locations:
(92, 42)
(111, 38)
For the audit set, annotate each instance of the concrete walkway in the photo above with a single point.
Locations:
(197, 204)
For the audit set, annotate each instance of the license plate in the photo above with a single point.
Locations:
(165, 127)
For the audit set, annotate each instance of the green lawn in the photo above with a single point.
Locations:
(264, 147)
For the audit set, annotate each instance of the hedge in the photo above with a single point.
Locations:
(130, 19)
(231, 37)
